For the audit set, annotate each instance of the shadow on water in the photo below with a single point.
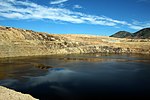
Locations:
(75, 77)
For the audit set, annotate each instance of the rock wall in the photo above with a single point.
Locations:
(18, 42)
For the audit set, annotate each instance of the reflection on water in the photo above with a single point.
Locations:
(75, 77)
(54, 75)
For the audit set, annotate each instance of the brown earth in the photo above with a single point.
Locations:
(19, 42)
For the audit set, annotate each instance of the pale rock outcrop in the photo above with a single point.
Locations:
(8, 94)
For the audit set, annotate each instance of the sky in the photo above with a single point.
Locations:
(95, 17)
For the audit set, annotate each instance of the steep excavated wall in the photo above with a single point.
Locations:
(18, 42)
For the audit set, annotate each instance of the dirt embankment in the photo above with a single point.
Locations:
(19, 42)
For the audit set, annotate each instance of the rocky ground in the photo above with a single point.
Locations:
(19, 42)
(8, 94)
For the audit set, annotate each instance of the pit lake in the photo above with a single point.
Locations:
(77, 77)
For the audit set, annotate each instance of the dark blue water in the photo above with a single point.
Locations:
(78, 77)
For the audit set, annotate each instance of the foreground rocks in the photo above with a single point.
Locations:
(19, 42)
(8, 94)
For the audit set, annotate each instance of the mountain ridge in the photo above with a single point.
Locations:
(122, 34)
(141, 34)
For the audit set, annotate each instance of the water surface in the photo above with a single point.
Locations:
(75, 77)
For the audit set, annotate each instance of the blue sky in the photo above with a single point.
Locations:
(96, 17)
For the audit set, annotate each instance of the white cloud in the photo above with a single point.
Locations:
(14, 9)
(77, 6)
(139, 25)
(34, 11)
(136, 27)
(58, 1)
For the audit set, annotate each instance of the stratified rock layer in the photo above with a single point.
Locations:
(18, 42)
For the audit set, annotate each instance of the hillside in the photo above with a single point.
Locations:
(144, 33)
(141, 34)
(122, 34)
(19, 42)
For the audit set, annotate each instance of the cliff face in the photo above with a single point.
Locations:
(18, 42)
